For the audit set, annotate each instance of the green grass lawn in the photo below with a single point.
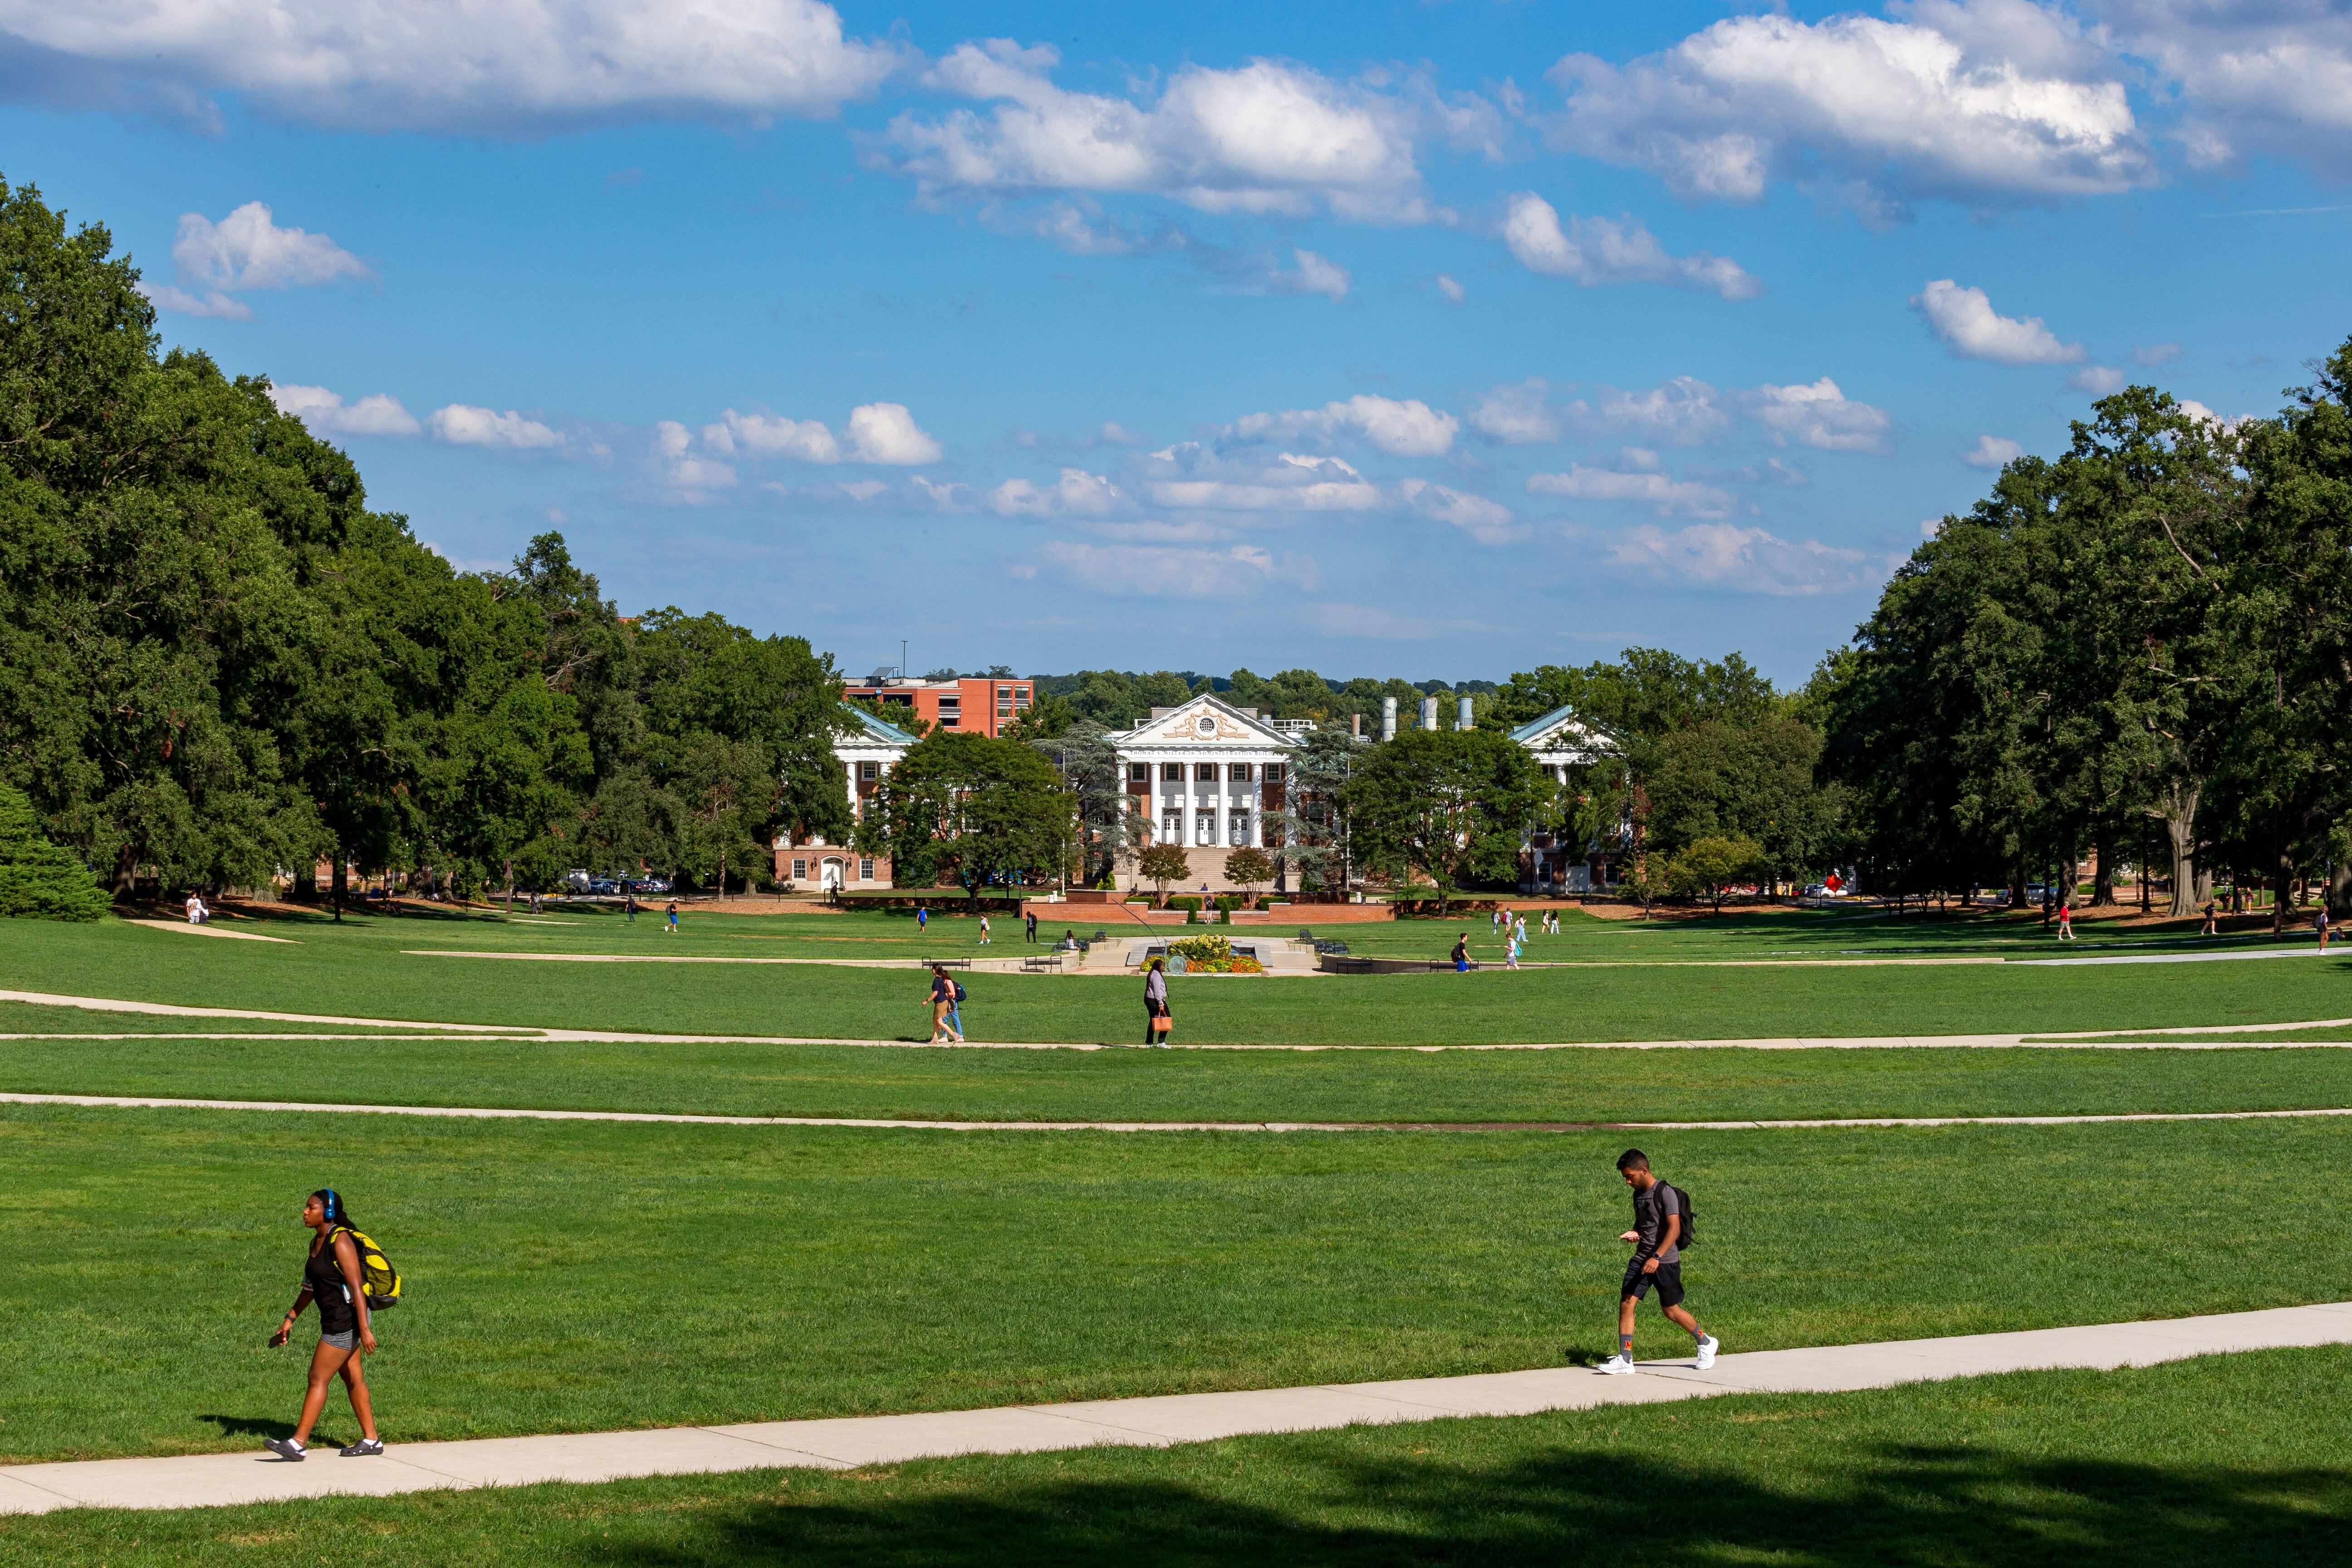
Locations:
(399, 969)
(1572, 1085)
(578, 1277)
(2224, 1460)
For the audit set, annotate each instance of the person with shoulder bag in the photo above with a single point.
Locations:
(1157, 1022)
(336, 1275)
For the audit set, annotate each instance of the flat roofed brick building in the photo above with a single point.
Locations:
(980, 705)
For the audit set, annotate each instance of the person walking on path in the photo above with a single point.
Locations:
(1494, 920)
(1511, 950)
(922, 920)
(1029, 926)
(197, 913)
(1157, 1022)
(1462, 953)
(332, 1277)
(943, 1006)
(629, 906)
(984, 931)
(2319, 924)
(2065, 922)
(2211, 927)
(671, 913)
(1657, 1260)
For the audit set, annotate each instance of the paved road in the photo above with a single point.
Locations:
(210, 1480)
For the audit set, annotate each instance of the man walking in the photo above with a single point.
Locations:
(1658, 1228)
(1029, 926)
(1462, 955)
(2319, 922)
(629, 906)
(2065, 922)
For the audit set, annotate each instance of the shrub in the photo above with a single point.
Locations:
(1214, 955)
(38, 879)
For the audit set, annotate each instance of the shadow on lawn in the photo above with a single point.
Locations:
(1950, 1508)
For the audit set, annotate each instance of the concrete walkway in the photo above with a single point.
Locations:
(209, 929)
(2173, 1038)
(506, 1113)
(848, 1443)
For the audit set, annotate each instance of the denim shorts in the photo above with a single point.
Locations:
(349, 1340)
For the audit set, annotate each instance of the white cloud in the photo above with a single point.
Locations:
(2098, 380)
(1113, 434)
(770, 436)
(462, 424)
(215, 306)
(695, 477)
(1597, 251)
(2196, 410)
(1520, 416)
(470, 66)
(1076, 494)
(1994, 100)
(1312, 274)
(247, 251)
(886, 433)
(1406, 428)
(1966, 320)
(1264, 138)
(1453, 291)
(1137, 571)
(1725, 555)
(1191, 477)
(1992, 452)
(1818, 416)
(325, 413)
(1488, 523)
(1666, 496)
(2265, 76)
(2156, 354)
(1682, 412)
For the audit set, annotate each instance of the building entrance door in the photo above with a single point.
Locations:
(831, 873)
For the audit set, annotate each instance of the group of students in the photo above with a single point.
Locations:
(335, 1278)
(1512, 928)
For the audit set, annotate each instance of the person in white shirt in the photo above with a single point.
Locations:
(197, 913)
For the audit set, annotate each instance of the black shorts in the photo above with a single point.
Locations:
(1668, 1279)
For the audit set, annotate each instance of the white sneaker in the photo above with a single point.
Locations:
(1706, 1349)
(1616, 1366)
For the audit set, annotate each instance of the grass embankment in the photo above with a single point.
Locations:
(1572, 1085)
(567, 1277)
(363, 970)
(2221, 1460)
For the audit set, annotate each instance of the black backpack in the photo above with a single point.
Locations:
(1689, 1231)
(959, 993)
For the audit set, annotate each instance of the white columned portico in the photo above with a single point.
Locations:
(1204, 774)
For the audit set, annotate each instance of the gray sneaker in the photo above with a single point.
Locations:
(288, 1449)
(365, 1449)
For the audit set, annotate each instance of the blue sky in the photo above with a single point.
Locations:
(1428, 338)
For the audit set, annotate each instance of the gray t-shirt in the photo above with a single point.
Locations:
(1650, 1211)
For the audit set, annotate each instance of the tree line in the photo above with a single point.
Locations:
(217, 663)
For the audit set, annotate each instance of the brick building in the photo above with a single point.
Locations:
(981, 705)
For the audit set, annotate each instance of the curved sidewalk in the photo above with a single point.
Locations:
(848, 1443)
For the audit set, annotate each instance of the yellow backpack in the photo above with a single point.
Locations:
(376, 1273)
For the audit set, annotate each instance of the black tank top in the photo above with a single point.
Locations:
(336, 1314)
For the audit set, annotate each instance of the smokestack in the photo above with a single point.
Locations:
(1429, 712)
(1356, 725)
(1388, 718)
(1463, 720)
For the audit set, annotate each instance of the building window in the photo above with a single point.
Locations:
(800, 869)
(1205, 773)
(869, 772)
(1237, 829)
(1205, 827)
(1021, 697)
(1139, 772)
(1172, 827)
(1239, 773)
(1171, 772)
(866, 870)
(1274, 773)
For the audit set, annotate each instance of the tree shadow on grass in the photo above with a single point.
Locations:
(1948, 1508)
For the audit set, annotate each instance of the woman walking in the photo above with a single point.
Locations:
(943, 1006)
(1157, 1022)
(332, 1277)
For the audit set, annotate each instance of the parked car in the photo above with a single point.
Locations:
(650, 885)
(602, 887)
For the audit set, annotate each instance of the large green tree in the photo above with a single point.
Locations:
(1457, 804)
(979, 810)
